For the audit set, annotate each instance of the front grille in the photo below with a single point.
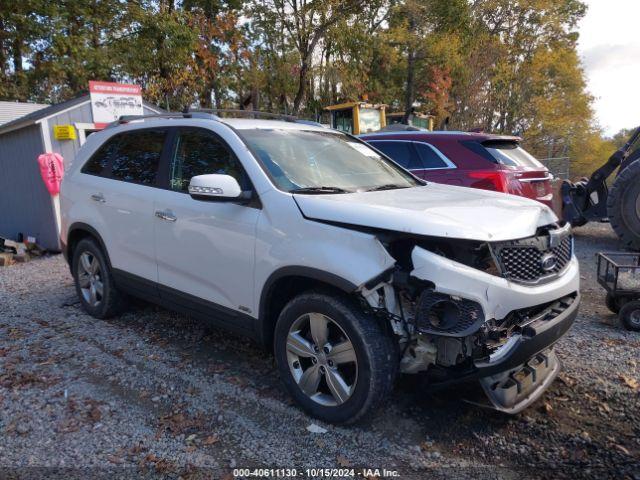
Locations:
(533, 259)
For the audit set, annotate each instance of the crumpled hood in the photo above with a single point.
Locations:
(433, 210)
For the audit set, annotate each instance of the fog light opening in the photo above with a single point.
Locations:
(444, 314)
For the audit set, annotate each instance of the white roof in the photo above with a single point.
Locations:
(10, 111)
(235, 123)
(248, 123)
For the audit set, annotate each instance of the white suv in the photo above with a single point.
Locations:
(324, 250)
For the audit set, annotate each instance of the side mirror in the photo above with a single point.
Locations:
(216, 187)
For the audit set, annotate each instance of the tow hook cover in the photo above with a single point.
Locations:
(514, 390)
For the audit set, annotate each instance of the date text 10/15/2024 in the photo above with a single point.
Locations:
(368, 473)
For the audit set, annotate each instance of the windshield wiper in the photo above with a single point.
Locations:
(388, 186)
(319, 190)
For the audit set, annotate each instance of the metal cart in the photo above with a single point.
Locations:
(619, 275)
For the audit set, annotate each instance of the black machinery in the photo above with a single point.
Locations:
(591, 199)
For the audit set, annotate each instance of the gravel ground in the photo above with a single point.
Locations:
(152, 393)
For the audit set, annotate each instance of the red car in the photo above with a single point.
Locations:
(477, 160)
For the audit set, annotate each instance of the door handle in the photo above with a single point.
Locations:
(166, 215)
(98, 197)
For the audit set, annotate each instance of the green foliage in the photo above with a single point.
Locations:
(508, 66)
(158, 54)
(623, 136)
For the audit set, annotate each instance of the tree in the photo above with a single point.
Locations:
(507, 66)
(20, 29)
(157, 53)
(623, 136)
(305, 23)
(220, 40)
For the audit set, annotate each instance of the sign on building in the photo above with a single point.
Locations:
(64, 132)
(112, 100)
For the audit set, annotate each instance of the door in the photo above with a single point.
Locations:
(205, 248)
(120, 186)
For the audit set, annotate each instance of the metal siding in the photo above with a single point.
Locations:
(69, 148)
(25, 203)
(82, 114)
(12, 110)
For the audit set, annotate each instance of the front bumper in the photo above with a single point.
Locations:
(516, 374)
(513, 391)
(497, 296)
(539, 335)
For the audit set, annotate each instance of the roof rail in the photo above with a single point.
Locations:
(249, 113)
(257, 113)
(132, 118)
(210, 114)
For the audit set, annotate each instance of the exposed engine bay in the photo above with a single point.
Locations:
(454, 304)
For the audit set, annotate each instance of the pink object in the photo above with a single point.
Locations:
(52, 171)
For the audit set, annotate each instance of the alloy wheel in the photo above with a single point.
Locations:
(322, 359)
(90, 279)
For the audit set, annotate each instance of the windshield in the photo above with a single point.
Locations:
(323, 162)
(511, 154)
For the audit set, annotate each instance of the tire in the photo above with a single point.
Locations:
(623, 206)
(630, 315)
(362, 377)
(613, 303)
(89, 261)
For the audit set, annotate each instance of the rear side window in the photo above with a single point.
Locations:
(98, 164)
(429, 157)
(137, 156)
(199, 152)
(400, 152)
(130, 157)
(504, 152)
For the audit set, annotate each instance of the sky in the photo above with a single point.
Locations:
(609, 46)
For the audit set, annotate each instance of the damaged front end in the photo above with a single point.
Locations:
(478, 310)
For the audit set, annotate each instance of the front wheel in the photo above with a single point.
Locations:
(630, 315)
(337, 363)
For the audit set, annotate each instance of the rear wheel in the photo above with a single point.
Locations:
(630, 315)
(94, 283)
(623, 206)
(337, 363)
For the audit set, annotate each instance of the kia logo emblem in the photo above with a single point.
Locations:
(548, 262)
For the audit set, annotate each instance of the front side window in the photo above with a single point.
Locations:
(137, 156)
(323, 161)
(200, 152)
